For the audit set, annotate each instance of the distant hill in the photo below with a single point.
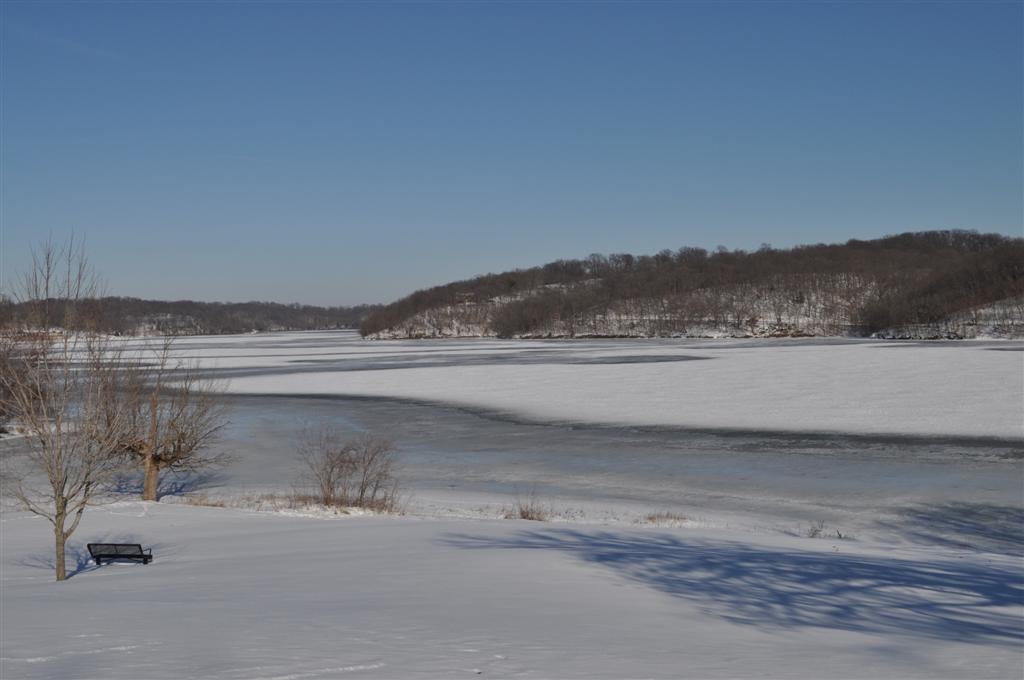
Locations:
(132, 316)
(922, 284)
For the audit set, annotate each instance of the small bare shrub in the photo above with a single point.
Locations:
(326, 467)
(266, 502)
(356, 472)
(816, 529)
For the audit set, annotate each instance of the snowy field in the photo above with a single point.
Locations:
(913, 452)
(236, 595)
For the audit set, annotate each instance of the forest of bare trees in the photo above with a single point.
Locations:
(858, 288)
(132, 316)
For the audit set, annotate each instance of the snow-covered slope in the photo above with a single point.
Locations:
(235, 595)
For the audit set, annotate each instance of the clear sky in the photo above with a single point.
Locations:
(336, 153)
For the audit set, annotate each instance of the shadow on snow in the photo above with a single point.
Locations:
(171, 483)
(76, 560)
(780, 588)
(973, 526)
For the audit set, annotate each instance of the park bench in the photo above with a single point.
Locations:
(119, 551)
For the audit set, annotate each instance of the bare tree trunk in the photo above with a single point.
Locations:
(152, 479)
(150, 466)
(59, 541)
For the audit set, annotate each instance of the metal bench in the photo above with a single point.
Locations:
(119, 551)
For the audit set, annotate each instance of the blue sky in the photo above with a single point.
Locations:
(336, 153)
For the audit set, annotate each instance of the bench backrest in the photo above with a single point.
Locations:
(127, 549)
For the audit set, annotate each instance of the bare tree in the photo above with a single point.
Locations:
(56, 383)
(173, 417)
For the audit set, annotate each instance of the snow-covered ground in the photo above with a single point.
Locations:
(240, 595)
(923, 477)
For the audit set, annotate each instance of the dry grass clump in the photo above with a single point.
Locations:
(205, 501)
(529, 507)
(664, 517)
(385, 504)
(817, 530)
(294, 502)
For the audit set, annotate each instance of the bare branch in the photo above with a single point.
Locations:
(358, 472)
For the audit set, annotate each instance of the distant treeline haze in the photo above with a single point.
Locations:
(923, 284)
(132, 316)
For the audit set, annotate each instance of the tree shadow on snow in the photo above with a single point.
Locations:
(171, 484)
(77, 559)
(973, 526)
(779, 588)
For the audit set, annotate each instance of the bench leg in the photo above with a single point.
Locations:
(97, 561)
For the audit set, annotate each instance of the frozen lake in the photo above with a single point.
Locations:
(466, 447)
(456, 458)
(930, 389)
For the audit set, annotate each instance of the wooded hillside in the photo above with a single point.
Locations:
(132, 316)
(923, 284)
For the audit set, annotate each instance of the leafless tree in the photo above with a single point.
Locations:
(173, 416)
(55, 383)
